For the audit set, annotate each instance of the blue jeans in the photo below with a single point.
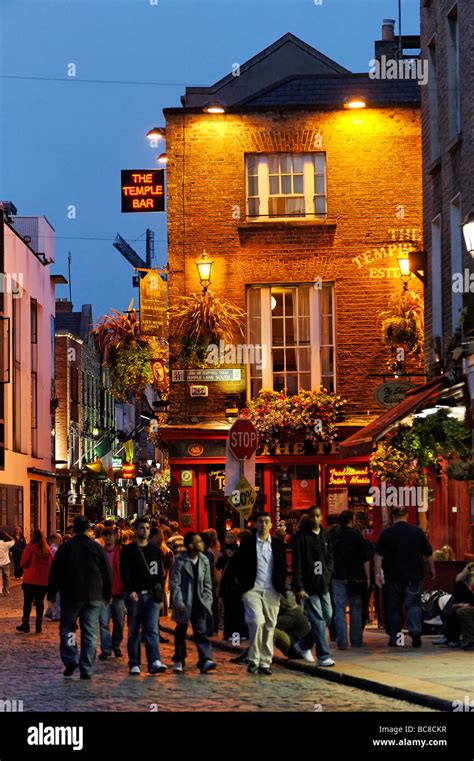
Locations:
(114, 610)
(397, 595)
(88, 614)
(319, 611)
(144, 615)
(340, 596)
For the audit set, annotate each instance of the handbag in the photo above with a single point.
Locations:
(157, 590)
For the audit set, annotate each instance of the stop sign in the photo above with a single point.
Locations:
(243, 439)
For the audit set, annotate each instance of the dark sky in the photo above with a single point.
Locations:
(65, 142)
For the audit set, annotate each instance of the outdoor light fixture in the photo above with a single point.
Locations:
(95, 431)
(204, 266)
(215, 107)
(149, 463)
(157, 133)
(355, 102)
(162, 158)
(274, 303)
(405, 274)
(139, 480)
(468, 230)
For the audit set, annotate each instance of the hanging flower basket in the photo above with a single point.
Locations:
(307, 416)
(459, 470)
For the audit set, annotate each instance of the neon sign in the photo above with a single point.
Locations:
(143, 190)
(348, 475)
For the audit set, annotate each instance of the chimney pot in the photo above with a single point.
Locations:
(388, 29)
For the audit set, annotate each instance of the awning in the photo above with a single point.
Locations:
(362, 442)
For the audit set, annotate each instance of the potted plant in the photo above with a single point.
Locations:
(201, 318)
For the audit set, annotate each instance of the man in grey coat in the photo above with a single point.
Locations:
(191, 600)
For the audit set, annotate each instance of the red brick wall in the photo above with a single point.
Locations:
(373, 167)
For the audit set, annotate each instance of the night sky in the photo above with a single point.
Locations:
(64, 142)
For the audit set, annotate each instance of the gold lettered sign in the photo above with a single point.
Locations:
(153, 304)
(242, 498)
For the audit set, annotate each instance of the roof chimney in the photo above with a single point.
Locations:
(388, 29)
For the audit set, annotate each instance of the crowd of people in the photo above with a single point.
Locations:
(97, 577)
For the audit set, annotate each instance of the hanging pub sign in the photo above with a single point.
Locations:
(143, 190)
(129, 471)
(349, 475)
(392, 392)
(158, 369)
(153, 304)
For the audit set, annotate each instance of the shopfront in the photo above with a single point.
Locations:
(289, 479)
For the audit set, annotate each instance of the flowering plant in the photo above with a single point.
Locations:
(307, 416)
(160, 490)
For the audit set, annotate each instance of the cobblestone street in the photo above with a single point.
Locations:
(32, 672)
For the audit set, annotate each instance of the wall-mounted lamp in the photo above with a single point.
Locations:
(405, 274)
(204, 267)
(139, 480)
(215, 107)
(157, 133)
(468, 231)
(162, 159)
(355, 102)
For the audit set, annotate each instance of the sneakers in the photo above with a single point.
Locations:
(157, 667)
(326, 662)
(69, 670)
(208, 666)
(135, 670)
(442, 640)
(307, 655)
(178, 668)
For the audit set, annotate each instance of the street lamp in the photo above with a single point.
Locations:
(162, 159)
(468, 230)
(405, 274)
(157, 133)
(204, 267)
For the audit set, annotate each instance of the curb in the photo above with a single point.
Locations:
(398, 693)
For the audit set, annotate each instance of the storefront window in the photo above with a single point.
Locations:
(297, 488)
(348, 489)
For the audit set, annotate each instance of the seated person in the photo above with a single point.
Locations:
(463, 596)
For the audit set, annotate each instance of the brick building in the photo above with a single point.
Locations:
(85, 411)
(447, 41)
(27, 472)
(304, 205)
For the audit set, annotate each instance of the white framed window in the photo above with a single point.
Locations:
(292, 330)
(456, 257)
(282, 185)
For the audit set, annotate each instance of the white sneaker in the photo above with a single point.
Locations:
(440, 640)
(157, 667)
(326, 662)
(135, 670)
(178, 668)
(307, 655)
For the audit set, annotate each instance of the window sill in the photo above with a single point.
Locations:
(283, 224)
(455, 144)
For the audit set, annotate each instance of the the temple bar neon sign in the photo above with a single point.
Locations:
(348, 475)
(143, 190)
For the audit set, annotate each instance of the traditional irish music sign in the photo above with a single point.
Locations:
(143, 190)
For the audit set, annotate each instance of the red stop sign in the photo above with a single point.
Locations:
(243, 439)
